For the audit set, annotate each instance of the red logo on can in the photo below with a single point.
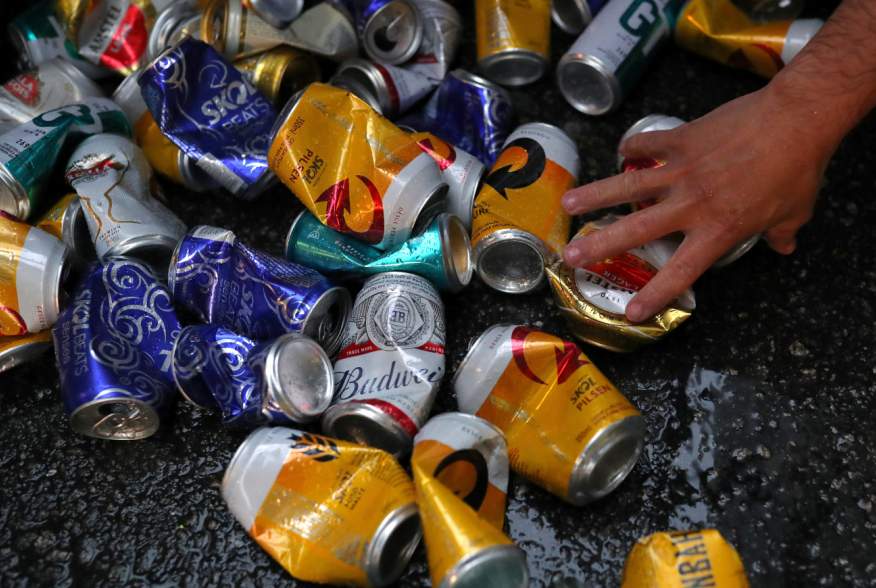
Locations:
(128, 43)
(338, 199)
(568, 357)
(25, 88)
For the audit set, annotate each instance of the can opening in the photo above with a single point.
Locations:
(585, 87)
(571, 15)
(501, 566)
(329, 315)
(460, 251)
(607, 461)
(614, 464)
(399, 549)
(361, 85)
(511, 265)
(366, 425)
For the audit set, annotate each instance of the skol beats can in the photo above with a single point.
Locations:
(607, 59)
(32, 267)
(390, 365)
(353, 169)
(280, 73)
(568, 428)
(513, 39)
(518, 224)
(594, 299)
(721, 31)
(113, 344)
(572, 16)
(66, 221)
(328, 511)
(387, 89)
(15, 351)
(391, 30)
(460, 468)
(684, 559)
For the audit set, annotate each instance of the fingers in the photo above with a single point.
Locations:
(653, 145)
(631, 186)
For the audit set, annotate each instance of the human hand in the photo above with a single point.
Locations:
(752, 166)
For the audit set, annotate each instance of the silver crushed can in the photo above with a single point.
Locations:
(387, 89)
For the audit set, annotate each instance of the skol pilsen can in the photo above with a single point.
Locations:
(15, 351)
(513, 39)
(602, 65)
(178, 20)
(66, 221)
(113, 344)
(684, 559)
(569, 430)
(390, 365)
(33, 264)
(720, 30)
(328, 511)
(662, 122)
(280, 73)
(387, 89)
(460, 468)
(441, 253)
(287, 380)
(572, 16)
(391, 30)
(224, 282)
(354, 170)
(594, 299)
(518, 223)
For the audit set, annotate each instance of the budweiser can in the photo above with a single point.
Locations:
(684, 558)
(178, 20)
(390, 365)
(113, 345)
(569, 430)
(594, 299)
(328, 511)
(66, 221)
(224, 282)
(460, 468)
(518, 223)
(33, 264)
(391, 30)
(573, 16)
(15, 351)
(721, 31)
(277, 13)
(280, 73)
(353, 169)
(513, 40)
(387, 89)
(607, 59)
(52, 84)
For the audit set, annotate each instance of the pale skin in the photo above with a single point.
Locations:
(752, 166)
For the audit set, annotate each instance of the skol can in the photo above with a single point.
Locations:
(353, 169)
(391, 30)
(513, 39)
(326, 510)
(113, 344)
(277, 13)
(460, 468)
(287, 380)
(178, 20)
(607, 59)
(684, 558)
(568, 428)
(441, 253)
(280, 73)
(572, 16)
(594, 299)
(52, 84)
(662, 122)
(112, 178)
(387, 89)
(33, 264)
(721, 31)
(518, 223)
(224, 125)
(442, 30)
(15, 351)
(390, 365)
(226, 283)
(28, 152)
(66, 221)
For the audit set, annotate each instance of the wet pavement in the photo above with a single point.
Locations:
(759, 409)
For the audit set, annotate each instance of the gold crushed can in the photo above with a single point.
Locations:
(513, 39)
(460, 468)
(66, 221)
(682, 559)
(279, 73)
(518, 222)
(328, 511)
(353, 169)
(569, 430)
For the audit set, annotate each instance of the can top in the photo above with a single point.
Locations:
(277, 13)
(498, 565)
(476, 80)
(456, 245)
(118, 419)
(572, 16)
(393, 545)
(362, 78)
(300, 375)
(221, 22)
(607, 460)
(368, 425)
(165, 24)
(327, 318)
(393, 33)
(588, 84)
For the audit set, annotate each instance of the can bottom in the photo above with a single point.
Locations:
(393, 545)
(510, 261)
(367, 425)
(499, 565)
(118, 419)
(516, 67)
(587, 85)
(607, 460)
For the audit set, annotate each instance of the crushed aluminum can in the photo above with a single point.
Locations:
(594, 299)
(684, 558)
(387, 89)
(281, 72)
(569, 430)
(277, 13)
(518, 222)
(15, 351)
(460, 469)
(287, 380)
(33, 265)
(513, 40)
(441, 253)
(390, 365)
(179, 20)
(224, 282)
(29, 152)
(573, 16)
(721, 31)
(328, 511)
(353, 169)
(112, 178)
(66, 221)
(113, 345)
(391, 30)
(442, 30)
(52, 84)
(213, 113)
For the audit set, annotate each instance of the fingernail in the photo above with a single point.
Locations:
(636, 312)
(568, 201)
(572, 254)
